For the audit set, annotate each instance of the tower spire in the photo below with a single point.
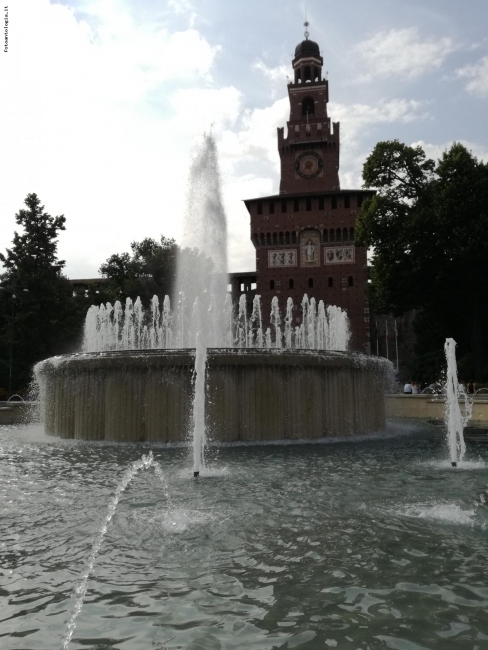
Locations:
(307, 33)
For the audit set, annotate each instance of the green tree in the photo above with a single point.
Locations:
(150, 269)
(427, 227)
(38, 315)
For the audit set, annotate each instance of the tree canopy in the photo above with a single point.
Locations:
(38, 314)
(427, 228)
(150, 269)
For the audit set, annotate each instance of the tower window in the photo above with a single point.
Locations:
(308, 106)
(345, 234)
(310, 283)
(283, 205)
(326, 235)
(291, 284)
(296, 205)
(309, 204)
(287, 237)
(321, 202)
(360, 200)
(332, 237)
(334, 202)
(338, 234)
(351, 234)
(271, 207)
(330, 282)
(350, 281)
(347, 201)
(271, 285)
(259, 207)
(293, 237)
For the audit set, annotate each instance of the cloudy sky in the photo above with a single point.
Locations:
(101, 101)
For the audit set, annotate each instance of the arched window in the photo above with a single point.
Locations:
(268, 239)
(310, 283)
(338, 235)
(271, 285)
(350, 281)
(330, 282)
(275, 238)
(281, 239)
(308, 106)
(351, 234)
(345, 234)
(291, 284)
(263, 239)
(287, 237)
(293, 237)
(326, 235)
(307, 74)
(332, 235)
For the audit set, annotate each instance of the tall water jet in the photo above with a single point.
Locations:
(201, 279)
(203, 275)
(455, 421)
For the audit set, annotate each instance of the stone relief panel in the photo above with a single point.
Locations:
(309, 248)
(339, 255)
(282, 258)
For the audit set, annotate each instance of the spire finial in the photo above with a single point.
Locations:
(306, 24)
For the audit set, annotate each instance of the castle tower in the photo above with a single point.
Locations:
(310, 151)
(304, 236)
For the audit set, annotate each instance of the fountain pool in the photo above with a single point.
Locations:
(376, 544)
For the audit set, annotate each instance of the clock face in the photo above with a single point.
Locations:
(309, 164)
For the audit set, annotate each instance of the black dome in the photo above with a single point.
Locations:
(307, 47)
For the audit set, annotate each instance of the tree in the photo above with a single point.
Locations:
(38, 315)
(149, 270)
(427, 227)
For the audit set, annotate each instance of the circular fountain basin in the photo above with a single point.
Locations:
(251, 395)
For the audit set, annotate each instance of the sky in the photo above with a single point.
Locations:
(101, 102)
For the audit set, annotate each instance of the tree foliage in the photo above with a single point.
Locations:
(427, 227)
(36, 302)
(150, 269)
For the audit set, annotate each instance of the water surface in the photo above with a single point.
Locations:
(371, 544)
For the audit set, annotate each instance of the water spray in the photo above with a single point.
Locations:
(455, 421)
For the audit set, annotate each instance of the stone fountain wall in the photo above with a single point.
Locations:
(252, 395)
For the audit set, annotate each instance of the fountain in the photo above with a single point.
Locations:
(139, 372)
(330, 545)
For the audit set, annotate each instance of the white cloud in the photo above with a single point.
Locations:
(357, 120)
(402, 53)
(277, 74)
(477, 74)
(100, 127)
(435, 151)
(256, 139)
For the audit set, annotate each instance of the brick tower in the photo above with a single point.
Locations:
(304, 236)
